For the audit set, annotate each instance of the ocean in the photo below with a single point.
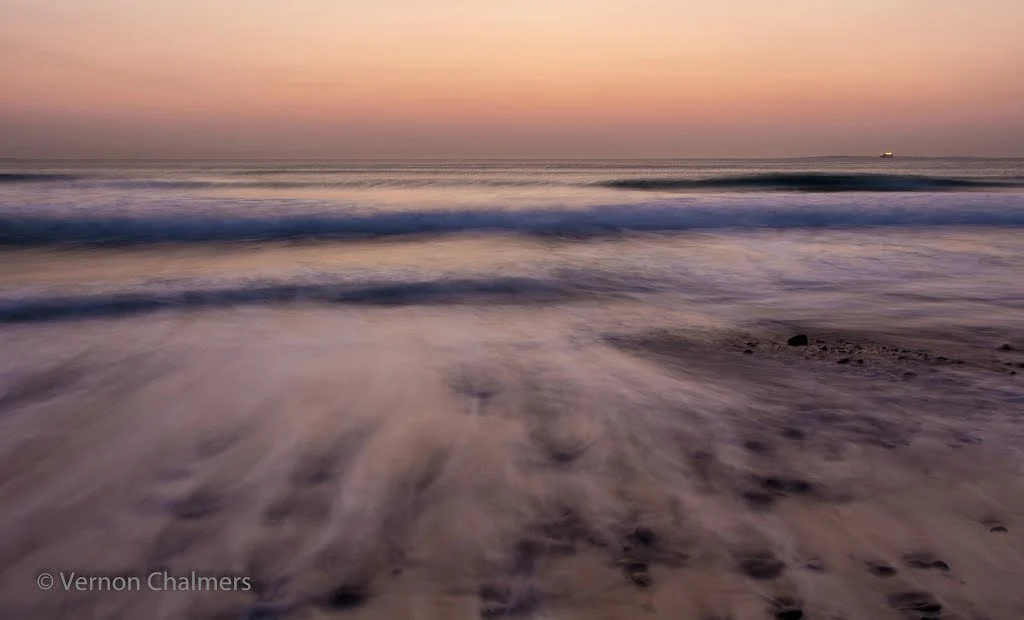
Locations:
(317, 373)
(123, 238)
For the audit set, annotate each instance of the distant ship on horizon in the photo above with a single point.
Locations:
(886, 155)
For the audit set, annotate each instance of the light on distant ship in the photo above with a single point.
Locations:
(886, 155)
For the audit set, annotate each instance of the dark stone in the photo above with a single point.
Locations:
(815, 565)
(748, 351)
(909, 375)
(998, 529)
(844, 360)
(1005, 347)
(799, 340)
(861, 362)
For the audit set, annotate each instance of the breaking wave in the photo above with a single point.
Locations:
(124, 230)
(817, 182)
(507, 290)
(34, 177)
(243, 182)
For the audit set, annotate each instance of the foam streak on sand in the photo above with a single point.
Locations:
(428, 463)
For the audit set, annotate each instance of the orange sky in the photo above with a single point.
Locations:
(514, 78)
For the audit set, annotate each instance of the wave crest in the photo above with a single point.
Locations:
(32, 230)
(35, 177)
(506, 290)
(816, 182)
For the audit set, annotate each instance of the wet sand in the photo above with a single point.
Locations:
(475, 463)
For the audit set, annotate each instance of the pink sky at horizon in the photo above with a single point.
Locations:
(531, 78)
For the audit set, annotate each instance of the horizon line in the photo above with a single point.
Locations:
(460, 159)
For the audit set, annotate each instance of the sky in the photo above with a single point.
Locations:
(513, 78)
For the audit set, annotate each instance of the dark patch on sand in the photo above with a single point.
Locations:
(40, 386)
(347, 596)
(638, 573)
(640, 547)
(310, 508)
(641, 537)
(199, 504)
(502, 601)
(785, 608)
(924, 560)
(174, 541)
(477, 384)
(314, 469)
(559, 449)
(783, 486)
(995, 526)
(758, 500)
(216, 445)
(760, 565)
(791, 432)
(757, 447)
(916, 605)
(702, 462)
(562, 533)
(881, 569)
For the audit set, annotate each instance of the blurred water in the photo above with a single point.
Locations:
(323, 374)
(85, 238)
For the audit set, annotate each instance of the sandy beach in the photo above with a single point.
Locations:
(523, 463)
